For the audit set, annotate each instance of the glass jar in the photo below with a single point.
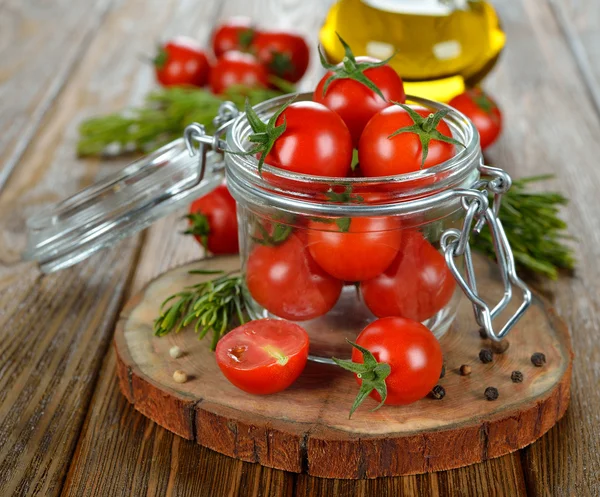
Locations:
(332, 254)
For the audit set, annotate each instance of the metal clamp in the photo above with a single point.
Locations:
(455, 243)
(196, 134)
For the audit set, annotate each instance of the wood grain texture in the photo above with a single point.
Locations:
(306, 427)
(579, 22)
(553, 129)
(54, 330)
(36, 62)
(498, 477)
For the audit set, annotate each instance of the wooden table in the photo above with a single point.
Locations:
(64, 426)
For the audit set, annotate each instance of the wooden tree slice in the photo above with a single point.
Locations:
(306, 428)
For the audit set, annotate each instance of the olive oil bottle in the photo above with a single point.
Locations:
(440, 46)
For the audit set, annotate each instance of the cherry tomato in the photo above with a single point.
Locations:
(357, 104)
(236, 33)
(180, 62)
(483, 111)
(355, 252)
(213, 221)
(412, 352)
(264, 356)
(380, 155)
(286, 281)
(286, 55)
(237, 68)
(416, 285)
(316, 141)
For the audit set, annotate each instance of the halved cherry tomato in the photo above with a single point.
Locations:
(285, 280)
(483, 111)
(415, 286)
(235, 33)
(286, 55)
(264, 356)
(381, 154)
(355, 249)
(315, 141)
(237, 68)
(213, 221)
(356, 103)
(412, 352)
(181, 62)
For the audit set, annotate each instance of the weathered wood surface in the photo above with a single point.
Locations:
(54, 330)
(306, 428)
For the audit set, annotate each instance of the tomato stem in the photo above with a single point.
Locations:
(371, 373)
(350, 68)
(265, 134)
(200, 227)
(425, 129)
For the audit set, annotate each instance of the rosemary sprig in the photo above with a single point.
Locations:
(215, 305)
(534, 229)
(161, 119)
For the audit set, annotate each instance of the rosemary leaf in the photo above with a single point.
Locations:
(533, 228)
(162, 118)
(215, 306)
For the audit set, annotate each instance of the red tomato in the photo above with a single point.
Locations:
(285, 280)
(236, 33)
(181, 62)
(364, 251)
(380, 155)
(483, 111)
(316, 141)
(357, 104)
(237, 68)
(417, 284)
(412, 352)
(286, 55)
(264, 356)
(213, 221)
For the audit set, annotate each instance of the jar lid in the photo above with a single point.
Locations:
(119, 206)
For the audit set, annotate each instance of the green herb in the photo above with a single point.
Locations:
(161, 119)
(533, 228)
(215, 305)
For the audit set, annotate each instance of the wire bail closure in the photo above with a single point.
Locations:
(196, 134)
(455, 243)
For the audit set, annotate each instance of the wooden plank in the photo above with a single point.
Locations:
(131, 455)
(551, 127)
(579, 23)
(36, 59)
(54, 330)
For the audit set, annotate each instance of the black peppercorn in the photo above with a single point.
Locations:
(486, 356)
(500, 347)
(483, 333)
(538, 359)
(465, 370)
(491, 393)
(438, 392)
(443, 373)
(516, 377)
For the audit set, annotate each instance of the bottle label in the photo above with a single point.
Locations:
(419, 7)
